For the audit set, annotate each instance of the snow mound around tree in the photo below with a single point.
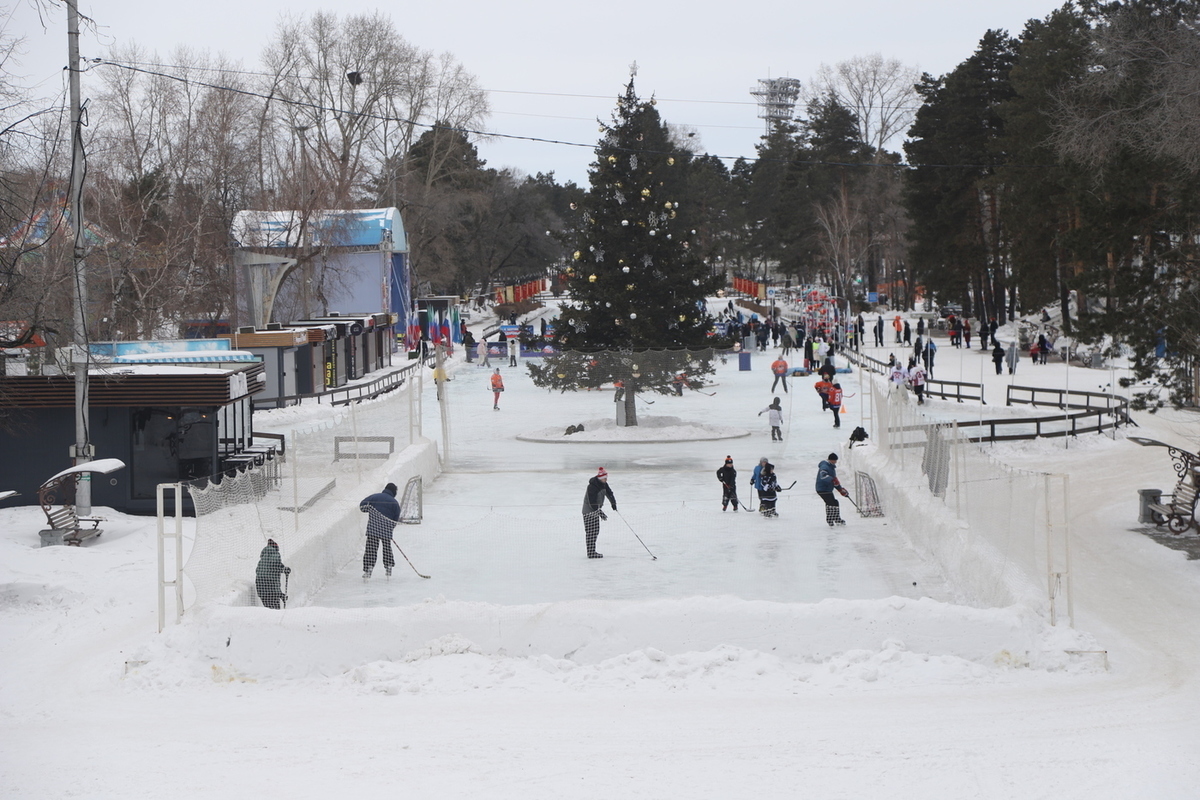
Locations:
(649, 430)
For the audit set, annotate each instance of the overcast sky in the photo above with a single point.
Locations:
(553, 67)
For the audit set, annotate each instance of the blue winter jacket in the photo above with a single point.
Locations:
(756, 478)
(827, 476)
(384, 513)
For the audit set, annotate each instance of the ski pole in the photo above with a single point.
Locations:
(631, 530)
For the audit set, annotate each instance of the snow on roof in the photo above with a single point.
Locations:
(165, 369)
(102, 465)
(187, 357)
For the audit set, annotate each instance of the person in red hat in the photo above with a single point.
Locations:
(593, 509)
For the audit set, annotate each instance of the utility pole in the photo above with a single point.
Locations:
(82, 451)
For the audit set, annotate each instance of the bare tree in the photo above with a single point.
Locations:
(1142, 92)
(878, 90)
(34, 295)
(174, 156)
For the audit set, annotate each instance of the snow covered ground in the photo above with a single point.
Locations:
(752, 658)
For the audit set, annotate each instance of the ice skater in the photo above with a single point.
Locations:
(593, 509)
(776, 420)
(768, 491)
(779, 368)
(827, 484)
(835, 404)
(266, 576)
(514, 348)
(383, 512)
(727, 475)
(497, 388)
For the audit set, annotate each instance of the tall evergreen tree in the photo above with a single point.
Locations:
(954, 149)
(636, 281)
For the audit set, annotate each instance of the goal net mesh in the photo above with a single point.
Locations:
(997, 532)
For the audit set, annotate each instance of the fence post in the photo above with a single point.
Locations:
(163, 535)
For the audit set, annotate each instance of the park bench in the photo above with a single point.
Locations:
(1176, 510)
(57, 499)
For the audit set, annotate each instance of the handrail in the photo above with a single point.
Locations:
(1115, 421)
(346, 394)
(1112, 401)
(933, 386)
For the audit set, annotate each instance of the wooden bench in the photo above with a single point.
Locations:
(57, 499)
(1179, 513)
(66, 527)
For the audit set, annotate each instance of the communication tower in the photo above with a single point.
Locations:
(776, 99)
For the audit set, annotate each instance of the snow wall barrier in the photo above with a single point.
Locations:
(998, 533)
(308, 502)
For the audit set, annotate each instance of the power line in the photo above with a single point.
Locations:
(509, 136)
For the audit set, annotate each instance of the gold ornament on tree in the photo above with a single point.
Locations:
(591, 278)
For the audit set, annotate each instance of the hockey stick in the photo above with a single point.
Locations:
(631, 530)
(785, 488)
(287, 576)
(710, 394)
(414, 569)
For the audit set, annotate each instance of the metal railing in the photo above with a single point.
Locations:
(946, 390)
(346, 394)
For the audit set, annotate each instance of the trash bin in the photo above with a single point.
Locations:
(748, 344)
(743, 361)
(1147, 497)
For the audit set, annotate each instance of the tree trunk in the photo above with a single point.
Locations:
(631, 403)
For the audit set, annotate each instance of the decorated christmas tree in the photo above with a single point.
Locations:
(636, 314)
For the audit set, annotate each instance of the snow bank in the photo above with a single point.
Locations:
(619, 644)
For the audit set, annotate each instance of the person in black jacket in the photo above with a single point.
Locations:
(266, 576)
(593, 509)
(768, 492)
(727, 475)
(384, 513)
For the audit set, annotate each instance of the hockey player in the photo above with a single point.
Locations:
(823, 387)
(835, 404)
(779, 368)
(917, 380)
(767, 493)
(497, 388)
(827, 484)
(776, 419)
(266, 576)
(727, 475)
(593, 509)
(383, 513)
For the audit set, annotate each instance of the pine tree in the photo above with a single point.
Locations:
(636, 281)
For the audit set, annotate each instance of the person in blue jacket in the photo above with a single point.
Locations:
(384, 513)
(827, 484)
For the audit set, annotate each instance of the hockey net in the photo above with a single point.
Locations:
(998, 532)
